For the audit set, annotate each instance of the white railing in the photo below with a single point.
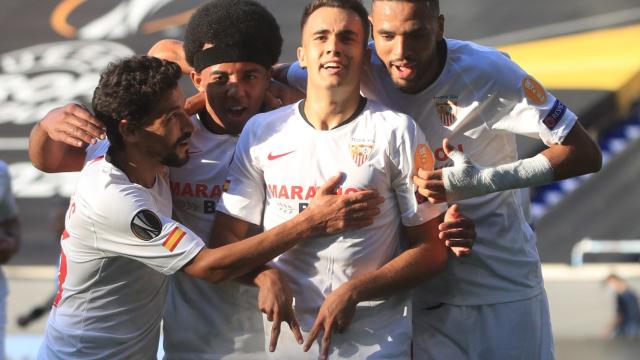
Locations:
(596, 246)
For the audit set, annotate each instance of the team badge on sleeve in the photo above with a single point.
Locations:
(533, 91)
(424, 158)
(174, 238)
(146, 225)
(447, 107)
(360, 153)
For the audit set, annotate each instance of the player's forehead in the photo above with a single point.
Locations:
(402, 15)
(235, 68)
(333, 20)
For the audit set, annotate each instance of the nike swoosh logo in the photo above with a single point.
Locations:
(273, 157)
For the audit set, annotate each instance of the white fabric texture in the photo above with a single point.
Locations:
(112, 280)
(281, 160)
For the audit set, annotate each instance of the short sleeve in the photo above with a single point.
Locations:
(8, 206)
(245, 194)
(412, 149)
(530, 109)
(132, 226)
(297, 77)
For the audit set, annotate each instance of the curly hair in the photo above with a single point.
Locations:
(131, 89)
(233, 24)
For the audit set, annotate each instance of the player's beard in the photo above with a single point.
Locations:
(173, 158)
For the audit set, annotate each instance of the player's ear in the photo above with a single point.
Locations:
(126, 130)
(440, 26)
(196, 79)
(301, 58)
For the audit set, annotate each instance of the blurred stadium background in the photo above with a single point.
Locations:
(586, 51)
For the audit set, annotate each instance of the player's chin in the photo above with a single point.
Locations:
(176, 159)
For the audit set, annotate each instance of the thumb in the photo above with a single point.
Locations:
(331, 185)
(447, 147)
(454, 211)
(195, 103)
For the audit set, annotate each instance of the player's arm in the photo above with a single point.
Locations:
(327, 214)
(171, 50)
(577, 155)
(57, 142)
(426, 257)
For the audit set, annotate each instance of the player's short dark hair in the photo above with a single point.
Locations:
(234, 24)
(434, 5)
(131, 89)
(353, 5)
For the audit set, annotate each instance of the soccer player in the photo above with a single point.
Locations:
(350, 288)
(201, 320)
(9, 241)
(492, 304)
(120, 242)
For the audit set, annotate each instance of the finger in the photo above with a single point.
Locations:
(459, 243)
(78, 133)
(275, 333)
(435, 198)
(295, 329)
(83, 120)
(455, 234)
(446, 146)
(419, 182)
(453, 210)
(461, 223)
(313, 335)
(195, 103)
(330, 186)
(326, 343)
(369, 196)
(461, 252)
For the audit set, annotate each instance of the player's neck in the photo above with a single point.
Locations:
(138, 167)
(327, 109)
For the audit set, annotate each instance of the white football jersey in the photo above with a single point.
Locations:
(203, 320)
(480, 110)
(118, 247)
(282, 159)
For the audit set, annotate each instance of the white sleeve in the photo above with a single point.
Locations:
(94, 151)
(411, 145)
(297, 77)
(244, 198)
(131, 226)
(530, 109)
(8, 207)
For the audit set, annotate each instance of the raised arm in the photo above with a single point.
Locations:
(577, 155)
(57, 142)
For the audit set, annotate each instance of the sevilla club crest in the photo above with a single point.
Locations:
(447, 107)
(360, 153)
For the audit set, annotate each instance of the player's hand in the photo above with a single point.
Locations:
(458, 231)
(196, 103)
(336, 314)
(73, 124)
(335, 213)
(431, 185)
(275, 300)
(279, 94)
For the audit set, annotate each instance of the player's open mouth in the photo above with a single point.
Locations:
(332, 67)
(236, 112)
(404, 70)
